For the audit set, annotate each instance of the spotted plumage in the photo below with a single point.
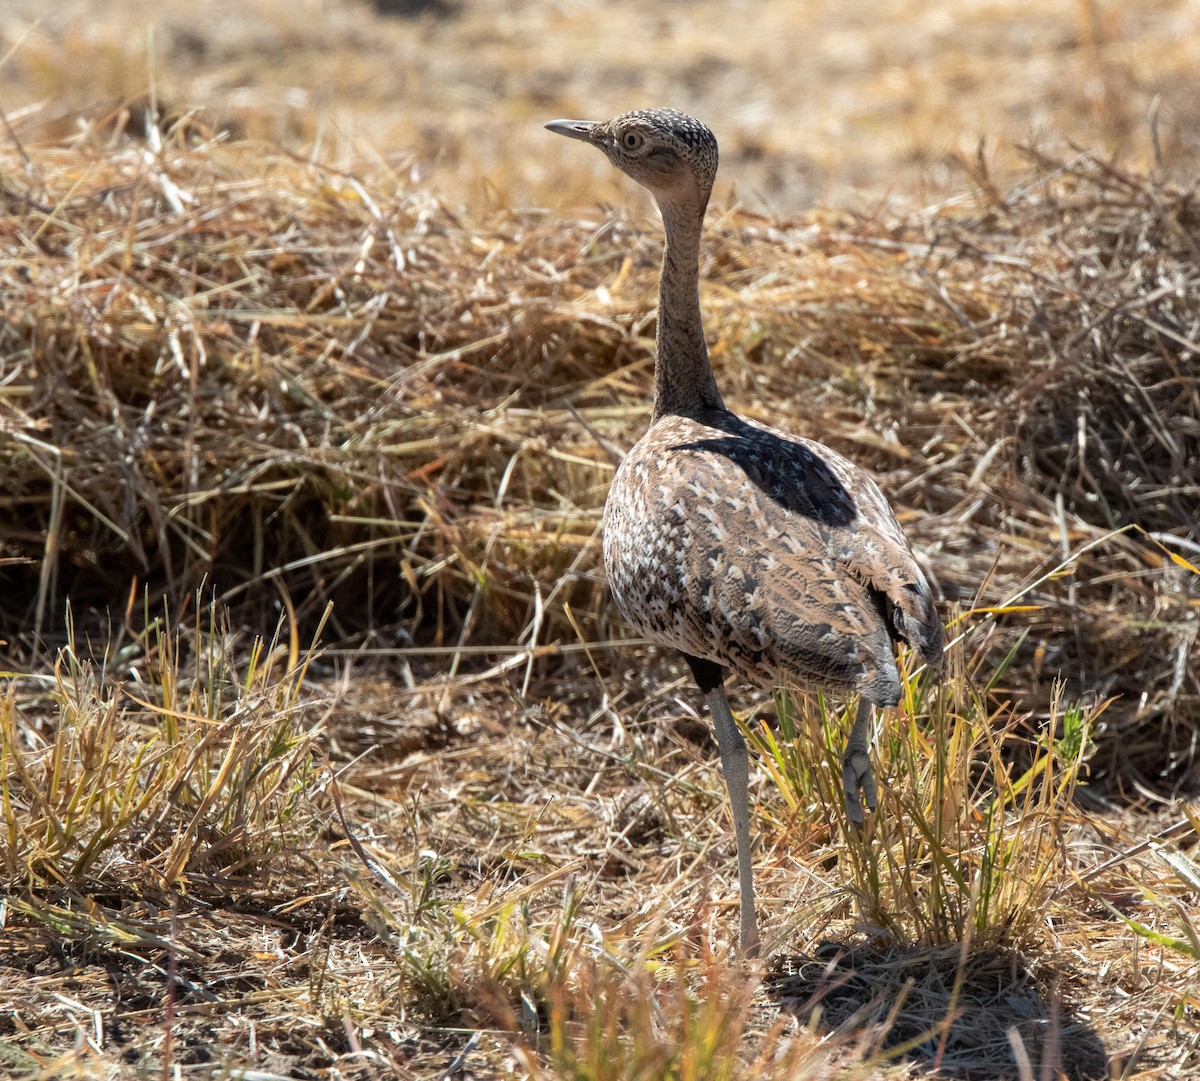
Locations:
(747, 549)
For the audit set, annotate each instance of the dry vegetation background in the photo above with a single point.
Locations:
(293, 355)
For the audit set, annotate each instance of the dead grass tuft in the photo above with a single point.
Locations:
(191, 774)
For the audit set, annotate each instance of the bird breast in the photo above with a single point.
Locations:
(769, 555)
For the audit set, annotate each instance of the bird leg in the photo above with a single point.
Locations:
(856, 765)
(735, 765)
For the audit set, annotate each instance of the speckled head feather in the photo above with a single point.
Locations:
(656, 147)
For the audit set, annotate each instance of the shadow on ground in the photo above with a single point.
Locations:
(985, 1016)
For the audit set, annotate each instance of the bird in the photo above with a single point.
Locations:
(749, 550)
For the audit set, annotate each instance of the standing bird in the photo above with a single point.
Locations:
(743, 547)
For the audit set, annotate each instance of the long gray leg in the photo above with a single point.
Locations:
(735, 764)
(856, 765)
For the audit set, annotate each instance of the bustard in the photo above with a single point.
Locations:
(743, 547)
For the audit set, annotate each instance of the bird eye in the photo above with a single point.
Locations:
(632, 140)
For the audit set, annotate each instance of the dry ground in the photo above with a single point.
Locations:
(340, 384)
(835, 101)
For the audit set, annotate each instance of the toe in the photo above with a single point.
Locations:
(856, 778)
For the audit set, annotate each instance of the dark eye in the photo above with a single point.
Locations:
(632, 140)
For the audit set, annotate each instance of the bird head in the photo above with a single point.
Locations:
(670, 153)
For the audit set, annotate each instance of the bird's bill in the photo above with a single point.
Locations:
(573, 129)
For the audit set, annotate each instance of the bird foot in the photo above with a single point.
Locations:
(856, 775)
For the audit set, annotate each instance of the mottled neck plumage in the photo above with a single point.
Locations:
(683, 377)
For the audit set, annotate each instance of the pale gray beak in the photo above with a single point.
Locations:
(573, 129)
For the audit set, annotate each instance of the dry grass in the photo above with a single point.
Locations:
(561, 887)
(194, 769)
(813, 101)
(295, 382)
(309, 380)
(250, 401)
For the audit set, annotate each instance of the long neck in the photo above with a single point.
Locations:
(683, 376)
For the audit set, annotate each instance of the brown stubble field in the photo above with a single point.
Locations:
(323, 752)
